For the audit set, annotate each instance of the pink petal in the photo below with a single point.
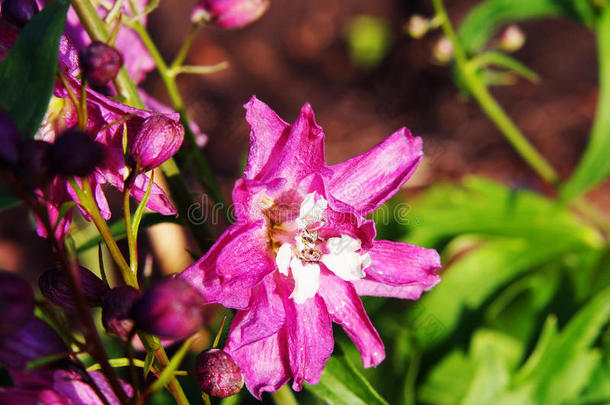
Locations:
(399, 264)
(310, 339)
(71, 385)
(368, 180)
(279, 150)
(368, 287)
(345, 309)
(238, 261)
(263, 318)
(268, 133)
(264, 363)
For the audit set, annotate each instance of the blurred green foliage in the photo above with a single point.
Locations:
(368, 40)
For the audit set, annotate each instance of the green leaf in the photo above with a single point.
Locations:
(485, 19)
(342, 384)
(27, 73)
(594, 165)
(118, 229)
(473, 278)
(448, 381)
(562, 364)
(484, 207)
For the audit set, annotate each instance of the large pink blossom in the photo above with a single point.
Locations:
(301, 251)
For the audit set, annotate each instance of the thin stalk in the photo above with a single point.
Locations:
(490, 106)
(186, 46)
(87, 201)
(153, 345)
(131, 238)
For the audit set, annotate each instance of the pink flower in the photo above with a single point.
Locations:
(229, 13)
(301, 251)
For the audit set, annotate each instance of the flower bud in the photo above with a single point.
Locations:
(442, 51)
(217, 374)
(512, 39)
(100, 63)
(74, 153)
(16, 301)
(116, 310)
(19, 12)
(171, 309)
(158, 139)
(229, 13)
(54, 286)
(33, 341)
(9, 136)
(417, 26)
(32, 167)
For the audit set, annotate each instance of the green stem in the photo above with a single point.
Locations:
(284, 396)
(490, 106)
(87, 201)
(131, 237)
(152, 344)
(186, 46)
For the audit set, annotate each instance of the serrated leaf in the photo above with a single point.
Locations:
(118, 229)
(594, 165)
(27, 73)
(485, 18)
(342, 384)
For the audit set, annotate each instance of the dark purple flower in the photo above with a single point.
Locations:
(34, 340)
(158, 139)
(100, 63)
(170, 309)
(54, 286)
(74, 153)
(116, 310)
(9, 136)
(217, 374)
(229, 13)
(16, 302)
(19, 12)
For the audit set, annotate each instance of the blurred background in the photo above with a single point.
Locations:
(517, 269)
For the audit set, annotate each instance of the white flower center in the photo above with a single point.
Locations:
(303, 256)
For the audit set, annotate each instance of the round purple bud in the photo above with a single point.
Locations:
(74, 153)
(158, 139)
(54, 286)
(217, 373)
(32, 167)
(34, 340)
(16, 301)
(19, 12)
(100, 63)
(9, 136)
(229, 13)
(171, 309)
(116, 310)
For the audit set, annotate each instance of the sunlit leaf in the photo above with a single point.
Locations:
(27, 73)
